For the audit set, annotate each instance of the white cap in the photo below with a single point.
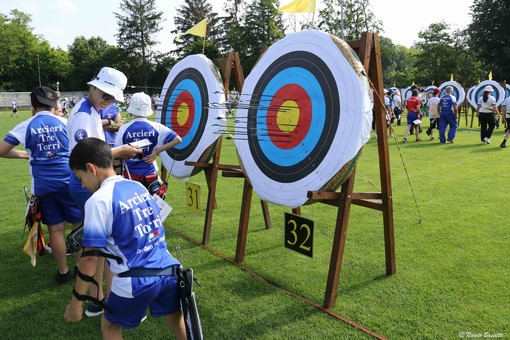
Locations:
(140, 105)
(488, 88)
(110, 81)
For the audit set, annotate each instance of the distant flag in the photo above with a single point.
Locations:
(198, 30)
(451, 76)
(490, 75)
(432, 82)
(299, 6)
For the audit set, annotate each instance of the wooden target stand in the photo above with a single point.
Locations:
(368, 50)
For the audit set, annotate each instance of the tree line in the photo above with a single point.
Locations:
(248, 27)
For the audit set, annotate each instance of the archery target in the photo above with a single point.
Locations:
(407, 93)
(308, 116)
(458, 90)
(507, 90)
(470, 97)
(498, 93)
(429, 92)
(192, 84)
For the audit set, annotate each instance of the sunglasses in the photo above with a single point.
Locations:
(106, 97)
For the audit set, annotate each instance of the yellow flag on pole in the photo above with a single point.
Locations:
(198, 30)
(451, 76)
(490, 75)
(299, 6)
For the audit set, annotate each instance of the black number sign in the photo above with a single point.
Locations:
(299, 234)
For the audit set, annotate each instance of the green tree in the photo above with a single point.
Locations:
(436, 60)
(489, 35)
(24, 54)
(262, 27)
(138, 22)
(398, 63)
(88, 56)
(188, 15)
(357, 18)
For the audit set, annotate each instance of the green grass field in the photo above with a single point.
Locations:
(452, 268)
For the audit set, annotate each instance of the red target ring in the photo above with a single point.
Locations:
(183, 113)
(292, 116)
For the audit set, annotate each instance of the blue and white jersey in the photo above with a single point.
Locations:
(44, 137)
(111, 112)
(123, 218)
(138, 129)
(446, 103)
(84, 121)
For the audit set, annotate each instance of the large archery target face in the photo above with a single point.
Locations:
(308, 115)
(192, 84)
(470, 97)
(458, 90)
(507, 91)
(498, 93)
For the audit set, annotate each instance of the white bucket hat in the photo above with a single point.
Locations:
(488, 88)
(140, 105)
(110, 81)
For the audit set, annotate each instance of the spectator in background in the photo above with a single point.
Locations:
(447, 116)
(45, 138)
(487, 110)
(389, 105)
(413, 115)
(505, 107)
(398, 107)
(14, 108)
(64, 103)
(432, 105)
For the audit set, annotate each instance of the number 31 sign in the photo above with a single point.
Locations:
(299, 234)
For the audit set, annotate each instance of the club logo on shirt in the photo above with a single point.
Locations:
(80, 134)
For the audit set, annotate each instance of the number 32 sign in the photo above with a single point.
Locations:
(299, 234)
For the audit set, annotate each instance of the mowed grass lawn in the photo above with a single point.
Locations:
(452, 268)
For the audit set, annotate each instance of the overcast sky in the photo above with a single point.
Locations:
(60, 21)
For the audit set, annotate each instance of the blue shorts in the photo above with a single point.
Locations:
(80, 197)
(411, 117)
(158, 293)
(58, 207)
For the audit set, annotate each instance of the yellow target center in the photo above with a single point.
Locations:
(288, 116)
(182, 114)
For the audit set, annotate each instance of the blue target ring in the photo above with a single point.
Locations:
(310, 84)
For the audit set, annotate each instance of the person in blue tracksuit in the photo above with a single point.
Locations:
(447, 116)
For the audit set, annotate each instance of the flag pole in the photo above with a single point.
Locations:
(203, 46)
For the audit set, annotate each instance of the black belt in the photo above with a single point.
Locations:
(170, 271)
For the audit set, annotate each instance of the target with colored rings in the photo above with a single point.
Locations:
(470, 97)
(306, 115)
(407, 93)
(429, 92)
(498, 93)
(458, 90)
(507, 90)
(192, 84)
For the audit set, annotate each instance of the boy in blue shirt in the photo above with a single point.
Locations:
(123, 222)
(45, 140)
